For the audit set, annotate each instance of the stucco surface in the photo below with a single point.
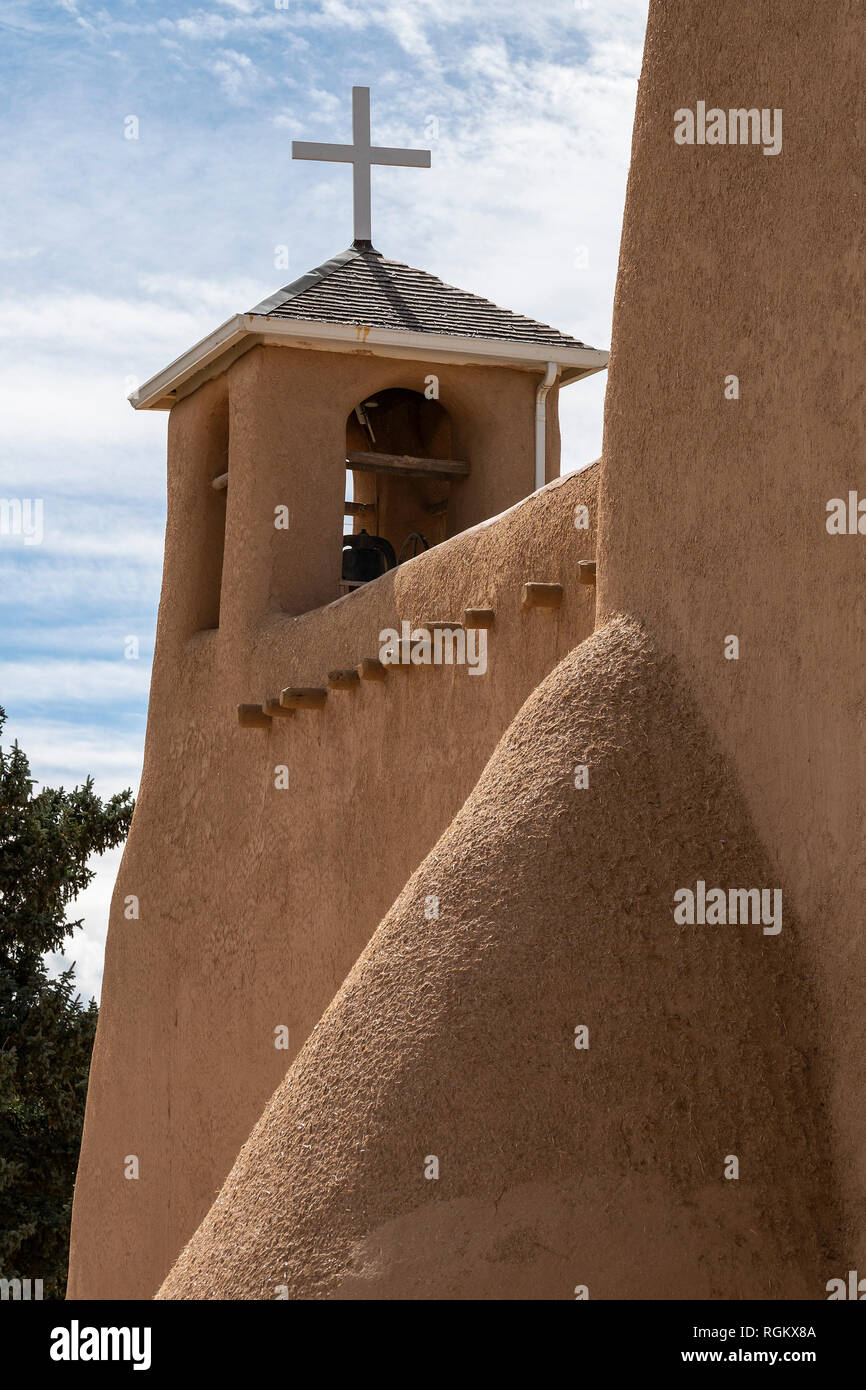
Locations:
(256, 902)
(454, 1038)
(287, 443)
(713, 511)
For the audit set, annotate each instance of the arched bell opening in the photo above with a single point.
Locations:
(399, 458)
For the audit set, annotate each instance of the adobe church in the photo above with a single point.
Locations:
(395, 1003)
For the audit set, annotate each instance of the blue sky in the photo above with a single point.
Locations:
(117, 254)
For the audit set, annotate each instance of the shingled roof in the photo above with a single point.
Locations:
(361, 302)
(363, 287)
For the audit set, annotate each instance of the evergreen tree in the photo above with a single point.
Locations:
(46, 1034)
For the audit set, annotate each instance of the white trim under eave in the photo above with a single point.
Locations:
(149, 396)
(163, 390)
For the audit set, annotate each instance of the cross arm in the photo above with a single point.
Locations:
(410, 159)
(336, 154)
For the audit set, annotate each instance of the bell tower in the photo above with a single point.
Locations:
(367, 391)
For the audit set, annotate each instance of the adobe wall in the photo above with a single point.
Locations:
(256, 902)
(601, 1167)
(713, 510)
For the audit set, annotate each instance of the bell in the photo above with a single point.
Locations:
(366, 557)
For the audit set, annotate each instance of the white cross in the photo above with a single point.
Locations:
(361, 155)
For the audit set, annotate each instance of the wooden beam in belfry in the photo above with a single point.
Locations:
(407, 465)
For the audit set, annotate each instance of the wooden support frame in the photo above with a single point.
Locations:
(407, 465)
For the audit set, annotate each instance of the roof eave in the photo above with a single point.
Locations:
(163, 390)
(157, 392)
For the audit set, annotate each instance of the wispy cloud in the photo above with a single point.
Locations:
(90, 682)
(64, 754)
(239, 77)
(86, 948)
(73, 10)
(58, 403)
(203, 26)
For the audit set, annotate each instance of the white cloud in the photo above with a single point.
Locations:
(72, 9)
(46, 593)
(65, 407)
(89, 320)
(316, 106)
(100, 636)
(13, 254)
(181, 309)
(241, 6)
(239, 77)
(131, 545)
(86, 948)
(83, 682)
(222, 297)
(63, 753)
(204, 26)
